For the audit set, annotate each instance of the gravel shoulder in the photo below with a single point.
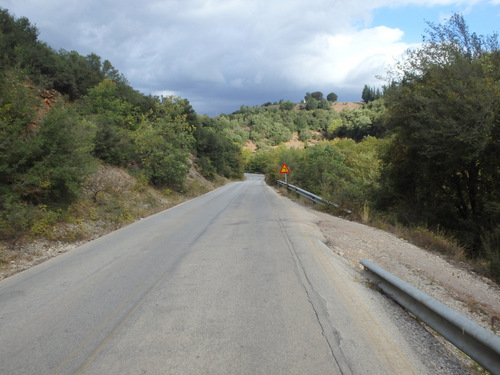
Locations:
(449, 282)
(453, 284)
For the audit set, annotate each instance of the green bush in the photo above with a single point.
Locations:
(57, 159)
(41, 162)
(163, 148)
(287, 106)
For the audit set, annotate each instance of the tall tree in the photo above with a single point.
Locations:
(444, 110)
(370, 94)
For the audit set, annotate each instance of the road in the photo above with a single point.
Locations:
(234, 282)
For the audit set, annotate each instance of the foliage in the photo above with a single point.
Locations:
(332, 97)
(332, 130)
(361, 122)
(218, 147)
(45, 165)
(65, 71)
(164, 145)
(217, 155)
(115, 120)
(442, 167)
(18, 106)
(268, 126)
(316, 101)
(75, 74)
(370, 94)
(21, 49)
(45, 162)
(318, 95)
(287, 106)
(341, 170)
(57, 159)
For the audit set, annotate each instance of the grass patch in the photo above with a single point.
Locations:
(436, 241)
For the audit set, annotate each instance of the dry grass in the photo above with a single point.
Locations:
(433, 241)
(340, 106)
(365, 213)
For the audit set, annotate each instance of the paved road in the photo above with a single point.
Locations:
(233, 282)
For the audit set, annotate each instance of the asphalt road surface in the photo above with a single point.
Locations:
(234, 282)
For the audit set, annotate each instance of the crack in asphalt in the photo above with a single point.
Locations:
(331, 335)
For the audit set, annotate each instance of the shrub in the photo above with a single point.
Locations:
(57, 160)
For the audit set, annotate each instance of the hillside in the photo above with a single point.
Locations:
(269, 125)
(71, 123)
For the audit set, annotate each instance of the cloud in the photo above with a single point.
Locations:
(223, 51)
(342, 59)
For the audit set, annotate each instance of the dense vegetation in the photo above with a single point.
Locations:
(423, 152)
(442, 168)
(270, 125)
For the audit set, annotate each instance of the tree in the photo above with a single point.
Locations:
(163, 148)
(76, 74)
(18, 106)
(315, 101)
(324, 104)
(217, 155)
(60, 158)
(370, 94)
(318, 95)
(17, 38)
(311, 104)
(67, 72)
(164, 142)
(444, 112)
(332, 97)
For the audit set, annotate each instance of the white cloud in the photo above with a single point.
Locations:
(336, 59)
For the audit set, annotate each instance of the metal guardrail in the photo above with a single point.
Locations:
(315, 198)
(477, 342)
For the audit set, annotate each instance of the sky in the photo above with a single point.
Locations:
(221, 54)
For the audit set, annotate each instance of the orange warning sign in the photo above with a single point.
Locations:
(285, 169)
